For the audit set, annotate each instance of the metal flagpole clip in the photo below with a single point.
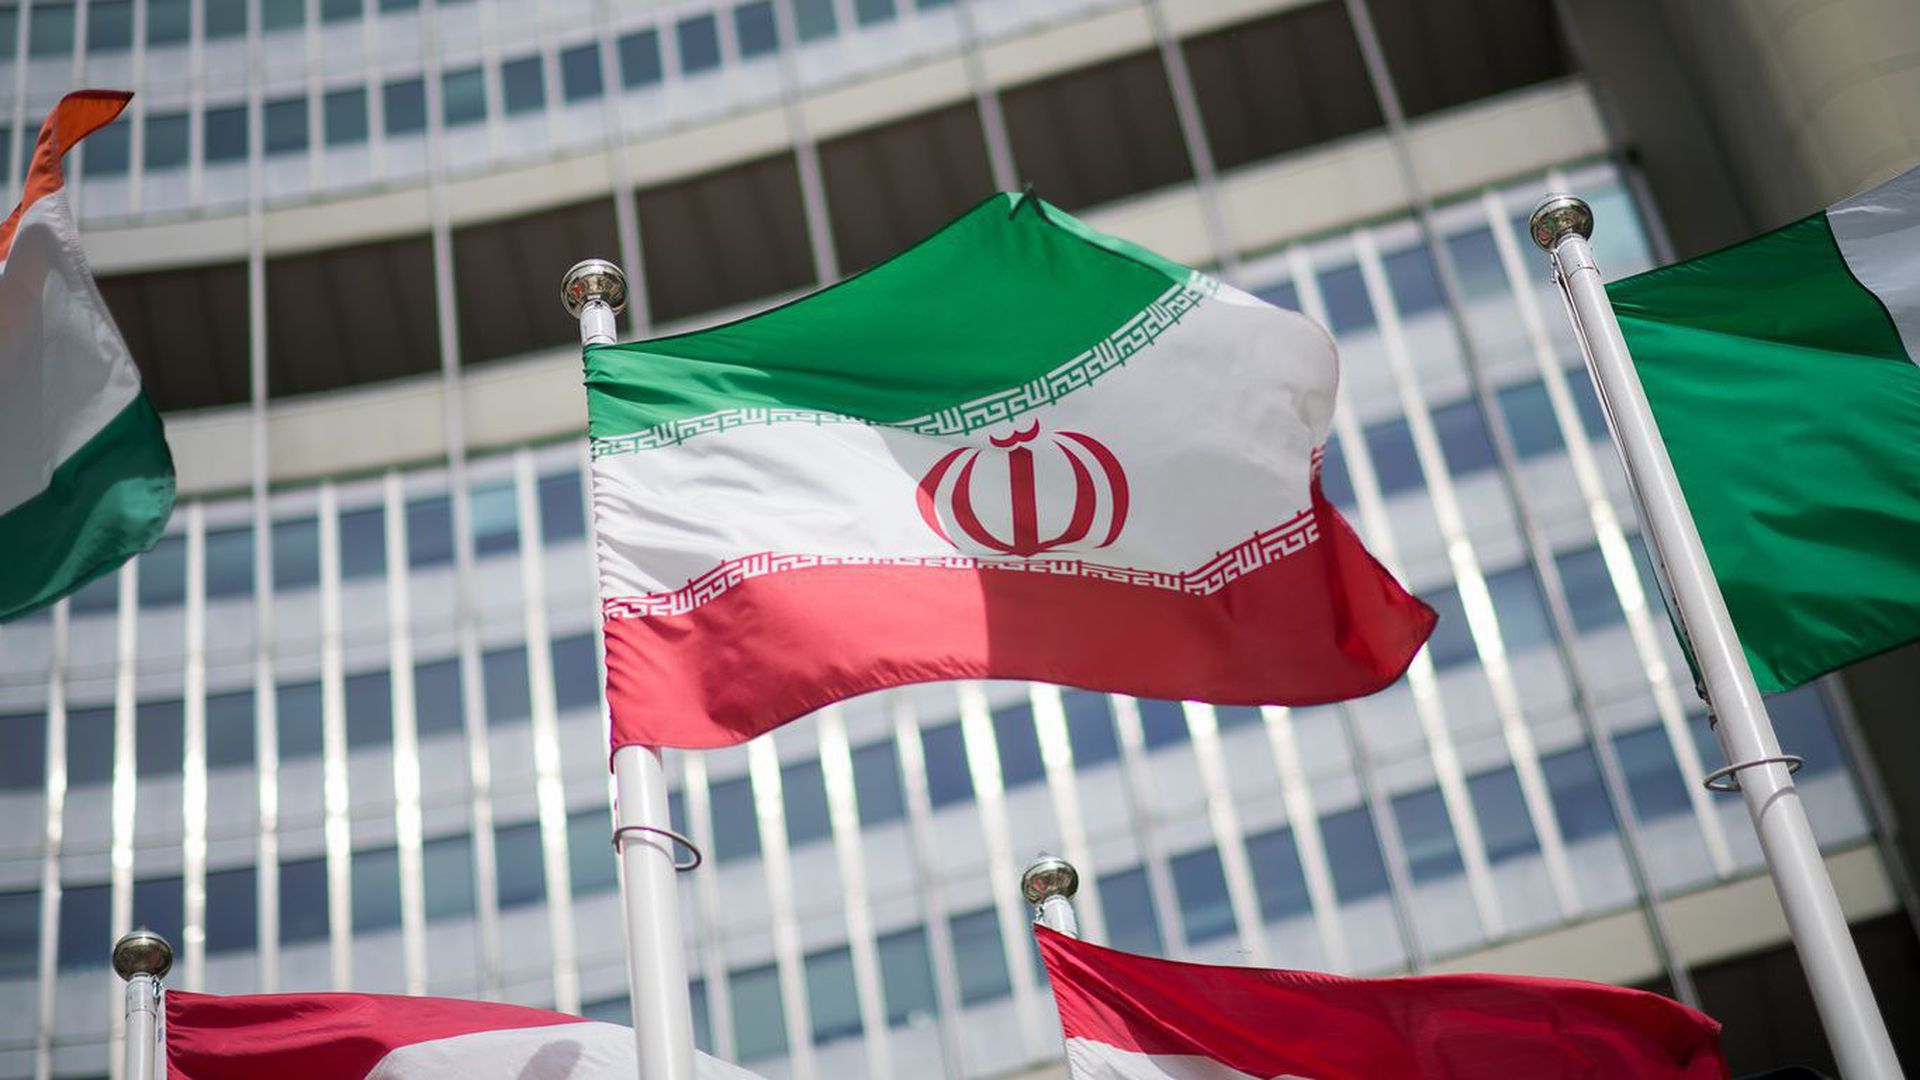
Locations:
(692, 864)
(1726, 781)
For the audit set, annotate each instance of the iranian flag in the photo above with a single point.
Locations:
(85, 477)
(1782, 372)
(1127, 1017)
(1020, 449)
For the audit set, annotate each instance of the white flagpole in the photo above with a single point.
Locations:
(1049, 884)
(142, 958)
(1756, 767)
(595, 291)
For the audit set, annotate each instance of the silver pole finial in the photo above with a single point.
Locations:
(142, 958)
(1558, 215)
(590, 280)
(142, 952)
(1049, 884)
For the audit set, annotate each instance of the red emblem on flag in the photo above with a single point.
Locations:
(1099, 490)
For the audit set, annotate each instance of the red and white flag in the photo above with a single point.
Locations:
(1128, 1017)
(387, 1037)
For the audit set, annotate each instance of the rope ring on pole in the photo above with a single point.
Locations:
(1725, 781)
(682, 867)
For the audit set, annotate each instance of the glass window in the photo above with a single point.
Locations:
(1463, 437)
(948, 779)
(1529, 415)
(1589, 588)
(1344, 291)
(523, 878)
(230, 563)
(1089, 727)
(1522, 611)
(1132, 922)
(369, 709)
(109, 25)
(296, 554)
(9, 32)
(576, 673)
(496, 523)
(303, 901)
(1502, 811)
(833, 1000)
(24, 766)
(1452, 640)
(591, 863)
(399, 5)
(699, 39)
(754, 29)
(803, 791)
(160, 905)
(876, 782)
(869, 12)
(170, 22)
(297, 714)
(346, 116)
(1427, 834)
(446, 870)
(814, 19)
(166, 141)
(1277, 876)
(437, 701)
(1395, 464)
(906, 976)
(1579, 796)
(1593, 416)
(233, 914)
(1653, 779)
(563, 510)
(759, 1018)
(523, 85)
(163, 570)
(580, 78)
(504, 672)
(363, 543)
(224, 136)
(19, 935)
(702, 1026)
(736, 829)
(90, 727)
(463, 97)
(1281, 294)
(85, 923)
(1205, 912)
(97, 597)
(406, 106)
(160, 738)
(1019, 744)
(339, 10)
(979, 960)
(376, 889)
(230, 729)
(107, 152)
(1415, 285)
(52, 31)
(429, 531)
(1353, 849)
(1476, 260)
(282, 14)
(1335, 484)
(1804, 726)
(1162, 723)
(1229, 717)
(640, 58)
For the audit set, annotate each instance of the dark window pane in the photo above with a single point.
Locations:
(891, 185)
(286, 126)
(1277, 876)
(591, 862)
(1463, 437)
(1589, 589)
(463, 97)
(1522, 611)
(1426, 831)
(1395, 465)
(563, 513)
(1201, 884)
(576, 673)
(1343, 290)
(731, 236)
(163, 573)
(1280, 83)
(230, 729)
(1530, 423)
(225, 135)
(523, 878)
(159, 905)
(1452, 640)
(399, 5)
(24, 766)
(90, 727)
(19, 932)
(303, 901)
(814, 19)
(736, 829)
(282, 14)
(1335, 484)
(948, 779)
(1353, 849)
(702, 1025)
(1162, 723)
(500, 266)
(406, 106)
(580, 78)
(523, 85)
(429, 531)
(1132, 924)
(1284, 294)
(1098, 133)
(496, 523)
(376, 889)
(1653, 778)
(9, 31)
(346, 116)
(1502, 810)
(52, 30)
(1593, 416)
(868, 12)
(339, 10)
(297, 712)
(1442, 55)
(639, 58)
(446, 868)
(1579, 796)
(1089, 728)
(101, 596)
(803, 791)
(753, 27)
(979, 960)
(833, 1000)
(616, 1010)
(876, 782)
(1019, 745)
(169, 21)
(233, 914)
(85, 922)
(436, 697)
(107, 152)
(759, 1020)
(1805, 727)
(369, 709)
(1229, 717)
(166, 141)
(1414, 281)
(230, 563)
(296, 554)
(906, 976)
(699, 39)
(160, 738)
(1476, 260)
(363, 543)
(504, 672)
(109, 25)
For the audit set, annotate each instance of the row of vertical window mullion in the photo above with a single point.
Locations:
(408, 831)
(927, 859)
(48, 961)
(763, 769)
(124, 796)
(699, 802)
(336, 796)
(1143, 810)
(1228, 837)
(1304, 823)
(1056, 757)
(194, 785)
(843, 815)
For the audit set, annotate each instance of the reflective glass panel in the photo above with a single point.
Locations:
(297, 713)
(563, 509)
(369, 709)
(1452, 640)
(345, 115)
(504, 672)
(90, 727)
(1090, 728)
(496, 522)
(978, 958)
(160, 905)
(286, 126)
(1463, 437)
(1653, 778)
(1395, 464)
(1018, 743)
(85, 926)
(363, 543)
(1162, 723)
(576, 673)
(52, 29)
(303, 901)
(1530, 423)
(580, 78)
(1589, 588)
(230, 563)
(406, 106)
(463, 97)
(699, 39)
(833, 1001)
(869, 12)
(592, 865)
(523, 878)
(1132, 922)
(814, 19)
(736, 830)
(1415, 284)
(640, 58)
(296, 554)
(1201, 884)
(233, 915)
(803, 791)
(1502, 810)
(224, 134)
(429, 531)
(1427, 834)
(759, 1019)
(1335, 484)
(166, 141)
(906, 975)
(160, 738)
(1521, 609)
(24, 766)
(107, 152)
(1353, 849)
(170, 21)
(437, 705)
(1579, 797)
(230, 729)
(948, 779)
(1277, 876)
(1344, 292)
(19, 934)
(523, 86)
(109, 26)
(446, 870)
(376, 889)
(753, 28)
(163, 570)
(876, 782)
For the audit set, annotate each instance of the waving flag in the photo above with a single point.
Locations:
(85, 477)
(1020, 449)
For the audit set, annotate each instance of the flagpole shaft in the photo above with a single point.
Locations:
(142, 958)
(1841, 994)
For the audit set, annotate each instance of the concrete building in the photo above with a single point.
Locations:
(342, 727)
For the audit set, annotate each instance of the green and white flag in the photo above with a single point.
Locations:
(85, 477)
(1783, 374)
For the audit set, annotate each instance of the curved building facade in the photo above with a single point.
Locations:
(342, 727)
